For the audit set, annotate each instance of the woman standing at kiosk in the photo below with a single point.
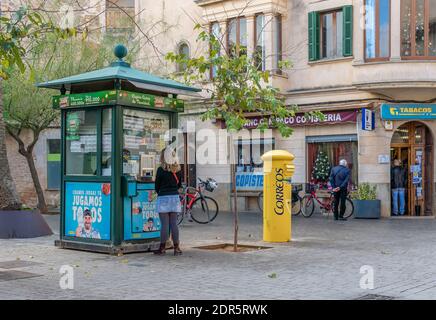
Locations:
(167, 184)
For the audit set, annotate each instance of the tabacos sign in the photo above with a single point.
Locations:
(409, 111)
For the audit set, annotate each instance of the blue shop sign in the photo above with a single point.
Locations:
(250, 181)
(408, 111)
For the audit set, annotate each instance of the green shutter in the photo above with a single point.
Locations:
(313, 36)
(347, 41)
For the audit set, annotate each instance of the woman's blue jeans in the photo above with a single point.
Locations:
(398, 194)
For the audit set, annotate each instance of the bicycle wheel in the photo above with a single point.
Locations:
(260, 201)
(307, 206)
(200, 211)
(213, 207)
(349, 208)
(296, 205)
(180, 217)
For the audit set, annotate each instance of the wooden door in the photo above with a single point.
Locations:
(402, 153)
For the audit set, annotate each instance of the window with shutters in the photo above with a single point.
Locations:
(331, 34)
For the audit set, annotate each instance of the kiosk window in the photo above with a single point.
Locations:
(145, 135)
(106, 161)
(81, 142)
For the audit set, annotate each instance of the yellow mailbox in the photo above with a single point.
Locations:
(278, 168)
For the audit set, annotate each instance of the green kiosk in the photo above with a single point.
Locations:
(115, 122)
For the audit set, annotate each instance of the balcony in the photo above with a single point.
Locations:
(405, 80)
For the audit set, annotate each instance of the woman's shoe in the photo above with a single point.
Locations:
(177, 251)
(161, 250)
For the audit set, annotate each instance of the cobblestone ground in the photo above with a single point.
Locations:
(322, 262)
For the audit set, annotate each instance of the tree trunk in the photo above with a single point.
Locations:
(9, 199)
(235, 208)
(235, 195)
(42, 206)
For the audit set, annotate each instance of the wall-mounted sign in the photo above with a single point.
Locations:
(408, 111)
(384, 159)
(368, 120)
(249, 181)
(299, 119)
(389, 125)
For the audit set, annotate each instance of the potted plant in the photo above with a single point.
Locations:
(366, 204)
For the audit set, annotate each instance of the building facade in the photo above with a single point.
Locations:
(368, 65)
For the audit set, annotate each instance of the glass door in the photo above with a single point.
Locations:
(402, 153)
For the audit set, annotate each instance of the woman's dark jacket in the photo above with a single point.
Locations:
(166, 184)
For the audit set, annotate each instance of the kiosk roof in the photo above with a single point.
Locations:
(123, 71)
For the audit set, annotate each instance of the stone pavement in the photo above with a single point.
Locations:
(322, 262)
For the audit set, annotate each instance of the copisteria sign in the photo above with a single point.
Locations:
(122, 97)
(409, 111)
(299, 119)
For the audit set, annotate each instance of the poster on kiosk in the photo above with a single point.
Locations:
(87, 210)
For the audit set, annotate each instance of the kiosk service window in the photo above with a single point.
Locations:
(145, 134)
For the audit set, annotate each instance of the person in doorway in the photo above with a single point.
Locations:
(398, 184)
(339, 178)
(167, 184)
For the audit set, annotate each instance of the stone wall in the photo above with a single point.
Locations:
(20, 169)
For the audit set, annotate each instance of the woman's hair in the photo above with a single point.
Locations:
(169, 161)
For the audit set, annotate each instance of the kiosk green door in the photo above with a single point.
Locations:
(145, 134)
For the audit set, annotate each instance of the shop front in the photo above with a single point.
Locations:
(331, 139)
(412, 147)
(115, 122)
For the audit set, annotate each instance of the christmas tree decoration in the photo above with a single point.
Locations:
(321, 168)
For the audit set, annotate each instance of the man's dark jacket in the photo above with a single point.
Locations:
(339, 177)
(398, 177)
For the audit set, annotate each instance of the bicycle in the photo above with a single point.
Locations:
(308, 203)
(198, 207)
(296, 200)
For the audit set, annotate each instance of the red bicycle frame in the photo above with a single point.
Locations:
(324, 205)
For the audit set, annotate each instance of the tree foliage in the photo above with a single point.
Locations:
(238, 87)
(20, 33)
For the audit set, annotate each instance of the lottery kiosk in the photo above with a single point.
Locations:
(115, 122)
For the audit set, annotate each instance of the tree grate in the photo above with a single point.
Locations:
(16, 275)
(375, 297)
(14, 264)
